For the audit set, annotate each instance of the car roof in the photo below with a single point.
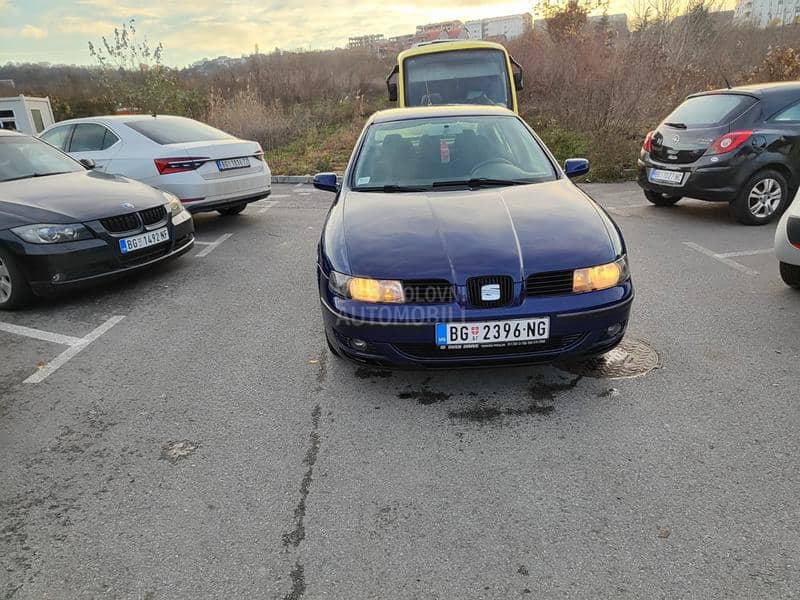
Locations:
(446, 110)
(117, 118)
(773, 96)
(759, 89)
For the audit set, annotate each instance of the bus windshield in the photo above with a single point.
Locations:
(477, 76)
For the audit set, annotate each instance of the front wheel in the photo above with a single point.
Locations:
(790, 275)
(660, 199)
(761, 199)
(14, 289)
(232, 210)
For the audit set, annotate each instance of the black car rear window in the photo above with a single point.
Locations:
(176, 130)
(710, 110)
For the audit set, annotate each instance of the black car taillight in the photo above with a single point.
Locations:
(729, 142)
(647, 146)
(166, 166)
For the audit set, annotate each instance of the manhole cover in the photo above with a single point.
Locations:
(632, 358)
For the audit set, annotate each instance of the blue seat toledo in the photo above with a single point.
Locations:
(455, 239)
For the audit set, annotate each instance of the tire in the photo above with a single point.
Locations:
(232, 210)
(14, 289)
(762, 199)
(790, 275)
(660, 199)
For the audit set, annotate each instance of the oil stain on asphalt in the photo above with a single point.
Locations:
(367, 373)
(424, 394)
(542, 395)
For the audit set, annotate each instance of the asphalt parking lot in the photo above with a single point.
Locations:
(186, 434)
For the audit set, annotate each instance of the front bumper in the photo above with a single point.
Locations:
(573, 332)
(52, 268)
(718, 181)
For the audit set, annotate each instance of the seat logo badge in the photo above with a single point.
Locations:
(128, 205)
(490, 292)
(676, 138)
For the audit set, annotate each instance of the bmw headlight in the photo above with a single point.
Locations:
(365, 289)
(173, 204)
(600, 277)
(53, 234)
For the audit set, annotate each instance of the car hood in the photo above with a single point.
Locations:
(71, 198)
(455, 235)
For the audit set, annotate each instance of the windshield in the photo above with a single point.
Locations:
(710, 110)
(457, 77)
(421, 153)
(22, 157)
(177, 130)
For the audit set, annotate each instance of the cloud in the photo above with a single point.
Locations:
(85, 27)
(194, 29)
(33, 33)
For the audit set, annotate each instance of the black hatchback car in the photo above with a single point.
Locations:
(63, 225)
(738, 145)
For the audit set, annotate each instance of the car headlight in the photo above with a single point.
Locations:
(367, 290)
(600, 277)
(53, 234)
(173, 204)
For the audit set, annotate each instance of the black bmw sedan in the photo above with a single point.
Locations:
(739, 145)
(63, 225)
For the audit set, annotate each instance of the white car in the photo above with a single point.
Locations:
(206, 168)
(787, 244)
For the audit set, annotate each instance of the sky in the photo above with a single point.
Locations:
(57, 31)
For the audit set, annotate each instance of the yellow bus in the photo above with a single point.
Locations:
(455, 72)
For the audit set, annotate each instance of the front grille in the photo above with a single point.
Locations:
(122, 223)
(554, 344)
(151, 216)
(428, 292)
(474, 285)
(549, 284)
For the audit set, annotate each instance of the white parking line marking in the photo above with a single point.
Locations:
(266, 206)
(38, 334)
(211, 246)
(62, 359)
(721, 258)
(746, 253)
(298, 185)
(279, 195)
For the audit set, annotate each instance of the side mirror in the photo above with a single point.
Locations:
(88, 163)
(326, 182)
(516, 69)
(575, 167)
(391, 83)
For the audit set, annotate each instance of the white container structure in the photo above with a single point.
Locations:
(26, 114)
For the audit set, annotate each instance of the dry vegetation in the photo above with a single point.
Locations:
(590, 91)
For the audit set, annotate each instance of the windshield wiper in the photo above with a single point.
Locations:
(392, 188)
(35, 175)
(476, 182)
(676, 125)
